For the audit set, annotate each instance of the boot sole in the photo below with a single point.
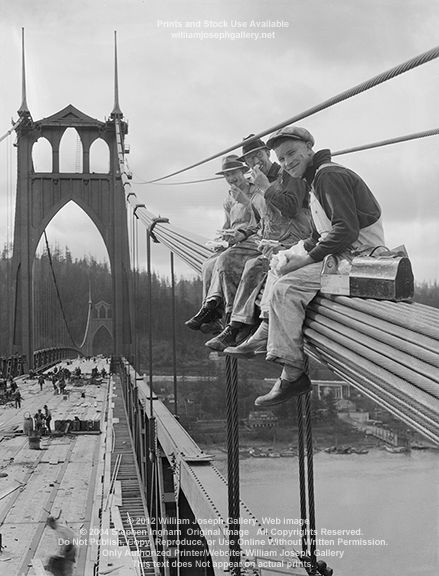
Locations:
(247, 355)
(282, 400)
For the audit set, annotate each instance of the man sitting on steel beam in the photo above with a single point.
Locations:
(346, 216)
(236, 243)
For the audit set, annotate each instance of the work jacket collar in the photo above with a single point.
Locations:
(319, 158)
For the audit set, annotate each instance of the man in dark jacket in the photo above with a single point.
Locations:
(346, 216)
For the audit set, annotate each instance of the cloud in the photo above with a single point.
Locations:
(187, 99)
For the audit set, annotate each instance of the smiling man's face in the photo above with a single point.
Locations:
(294, 156)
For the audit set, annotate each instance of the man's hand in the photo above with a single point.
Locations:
(260, 180)
(269, 248)
(239, 195)
(294, 263)
(236, 237)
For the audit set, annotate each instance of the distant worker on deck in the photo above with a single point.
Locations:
(41, 382)
(346, 217)
(63, 563)
(39, 421)
(236, 243)
(62, 385)
(17, 398)
(285, 221)
(48, 417)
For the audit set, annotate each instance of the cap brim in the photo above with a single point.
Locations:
(271, 141)
(242, 158)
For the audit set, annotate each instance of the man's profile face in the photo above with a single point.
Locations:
(259, 158)
(294, 156)
(236, 178)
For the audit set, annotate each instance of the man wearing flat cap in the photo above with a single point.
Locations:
(285, 221)
(346, 217)
(221, 272)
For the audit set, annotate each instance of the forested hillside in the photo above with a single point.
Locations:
(74, 278)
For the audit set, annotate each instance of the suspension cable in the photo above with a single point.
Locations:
(57, 289)
(396, 140)
(14, 126)
(358, 89)
(406, 138)
(58, 295)
(87, 326)
(191, 250)
(178, 183)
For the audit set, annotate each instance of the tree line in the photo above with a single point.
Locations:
(75, 277)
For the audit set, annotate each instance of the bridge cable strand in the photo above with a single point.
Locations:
(87, 326)
(57, 290)
(358, 89)
(193, 252)
(233, 462)
(310, 478)
(58, 294)
(152, 430)
(178, 183)
(406, 138)
(14, 126)
(379, 144)
(174, 336)
(302, 483)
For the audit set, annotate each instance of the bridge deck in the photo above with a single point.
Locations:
(65, 477)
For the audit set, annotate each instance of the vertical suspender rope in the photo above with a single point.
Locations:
(135, 264)
(310, 478)
(302, 483)
(306, 482)
(151, 409)
(136, 277)
(233, 463)
(174, 329)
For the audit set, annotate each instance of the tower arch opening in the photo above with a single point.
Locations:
(42, 155)
(99, 157)
(80, 264)
(70, 152)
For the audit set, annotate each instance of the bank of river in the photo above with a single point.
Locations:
(390, 502)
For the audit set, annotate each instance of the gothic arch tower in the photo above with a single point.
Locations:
(101, 320)
(41, 195)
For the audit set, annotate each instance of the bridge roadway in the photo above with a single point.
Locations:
(69, 476)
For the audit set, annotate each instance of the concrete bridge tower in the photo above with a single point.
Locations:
(41, 195)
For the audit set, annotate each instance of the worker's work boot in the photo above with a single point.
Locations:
(214, 327)
(209, 312)
(283, 390)
(230, 336)
(254, 346)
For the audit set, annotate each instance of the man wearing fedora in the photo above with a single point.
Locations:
(346, 216)
(285, 221)
(243, 208)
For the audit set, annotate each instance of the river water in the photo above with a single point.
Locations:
(390, 500)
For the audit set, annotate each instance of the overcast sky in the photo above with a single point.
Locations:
(186, 99)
